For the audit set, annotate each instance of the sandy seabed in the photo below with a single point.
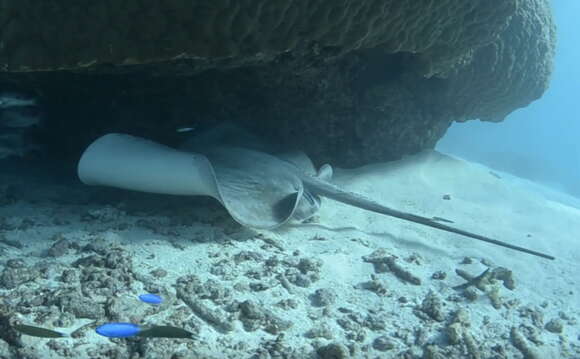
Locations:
(348, 284)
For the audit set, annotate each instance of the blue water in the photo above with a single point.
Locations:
(539, 142)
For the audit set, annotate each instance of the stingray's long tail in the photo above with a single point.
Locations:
(333, 192)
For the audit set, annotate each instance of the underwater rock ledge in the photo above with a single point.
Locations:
(350, 82)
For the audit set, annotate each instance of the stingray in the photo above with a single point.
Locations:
(261, 187)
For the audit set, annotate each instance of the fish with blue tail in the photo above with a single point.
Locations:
(150, 298)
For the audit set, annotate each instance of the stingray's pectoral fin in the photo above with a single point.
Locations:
(134, 163)
(325, 172)
(258, 190)
(260, 210)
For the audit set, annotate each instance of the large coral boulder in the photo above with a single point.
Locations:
(348, 81)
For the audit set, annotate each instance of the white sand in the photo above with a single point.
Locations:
(187, 240)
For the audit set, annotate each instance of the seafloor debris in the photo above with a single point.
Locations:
(520, 342)
(244, 297)
(439, 275)
(383, 343)
(459, 332)
(323, 297)
(254, 316)
(188, 293)
(322, 330)
(432, 306)
(17, 272)
(333, 351)
(376, 285)
(487, 283)
(555, 326)
(384, 262)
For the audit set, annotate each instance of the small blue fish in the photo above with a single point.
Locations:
(151, 298)
(118, 330)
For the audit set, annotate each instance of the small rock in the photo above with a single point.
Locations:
(520, 342)
(439, 275)
(15, 263)
(333, 351)
(467, 260)
(79, 305)
(454, 333)
(309, 265)
(471, 294)
(433, 307)
(555, 326)
(70, 276)
(298, 279)
(159, 273)
(244, 256)
(495, 297)
(61, 247)
(375, 285)
(487, 262)
(11, 243)
(251, 310)
(506, 276)
(103, 215)
(287, 304)
(383, 343)
(12, 277)
(323, 297)
(322, 331)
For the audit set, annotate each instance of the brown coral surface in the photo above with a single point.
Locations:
(359, 80)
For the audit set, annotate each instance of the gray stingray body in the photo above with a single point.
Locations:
(261, 186)
(288, 184)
